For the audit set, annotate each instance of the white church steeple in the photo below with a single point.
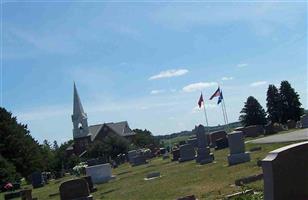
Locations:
(79, 117)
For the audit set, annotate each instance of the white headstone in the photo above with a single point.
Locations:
(99, 173)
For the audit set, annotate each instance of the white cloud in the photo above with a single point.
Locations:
(198, 86)
(241, 65)
(169, 73)
(157, 91)
(227, 78)
(258, 83)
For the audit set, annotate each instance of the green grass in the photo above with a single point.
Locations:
(211, 181)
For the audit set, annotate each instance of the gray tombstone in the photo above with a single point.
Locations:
(187, 152)
(291, 124)
(237, 148)
(175, 154)
(131, 154)
(285, 173)
(139, 159)
(253, 131)
(216, 135)
(193, 142)
(221, 143)
(304, 121)
(37, 179)
(75, 189)
(204, 154)
(153, 175)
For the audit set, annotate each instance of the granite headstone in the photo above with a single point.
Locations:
(99, 173)
(237, 148)
(285, 173)
(75, 189)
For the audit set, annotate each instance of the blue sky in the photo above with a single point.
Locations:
(146, 62)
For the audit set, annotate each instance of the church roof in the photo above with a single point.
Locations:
(120, 128)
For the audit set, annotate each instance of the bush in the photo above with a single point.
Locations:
(7, 172)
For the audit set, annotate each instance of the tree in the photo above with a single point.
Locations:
(48, 156)
(273, 104)
(55, 145)
(7, 172)
(111, 146)
(17, 145)
(290, 104)
(252, 113)
(144, 138)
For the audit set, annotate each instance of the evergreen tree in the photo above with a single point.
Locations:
(273, 104)
(252, 113)
(290, 104)
(17, 146)
(55, 145)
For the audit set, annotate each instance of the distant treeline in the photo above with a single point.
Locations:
(190, 133)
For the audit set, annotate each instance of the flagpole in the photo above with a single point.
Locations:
(207, 123)
(205, 115)
(224, 105)
(223, 113)
(222, 108)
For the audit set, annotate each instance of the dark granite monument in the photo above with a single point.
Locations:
(285, 173)
(37, 179)
(75, 189)
(187, 152)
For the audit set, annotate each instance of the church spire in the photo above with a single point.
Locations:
(78, 109)
(79, 117)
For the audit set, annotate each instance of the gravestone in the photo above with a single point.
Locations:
(222, 143)
(37, 179)
(99, 173)
(187, 152)
(253, 131)
(75, 189)
(175, 154)
(26, 194)
(131, 154)
(90, 183)
(237, 148)
(162, 151)
(139, 159)
(304, 121)
(285, 173)
(291, 124)
(190, 197)
(12, 195)
(153, 175)
(214, 136)
(269, 129)
(166, 155)
(193, 142)
(204, 154)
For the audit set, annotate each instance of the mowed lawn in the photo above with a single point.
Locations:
(210, 181)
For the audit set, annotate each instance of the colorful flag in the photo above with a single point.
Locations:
(220, 98)
(216, 94)
(200, 101)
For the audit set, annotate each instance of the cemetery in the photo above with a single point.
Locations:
(210, 181)
(176, 100)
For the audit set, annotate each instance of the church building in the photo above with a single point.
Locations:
(84, 135)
